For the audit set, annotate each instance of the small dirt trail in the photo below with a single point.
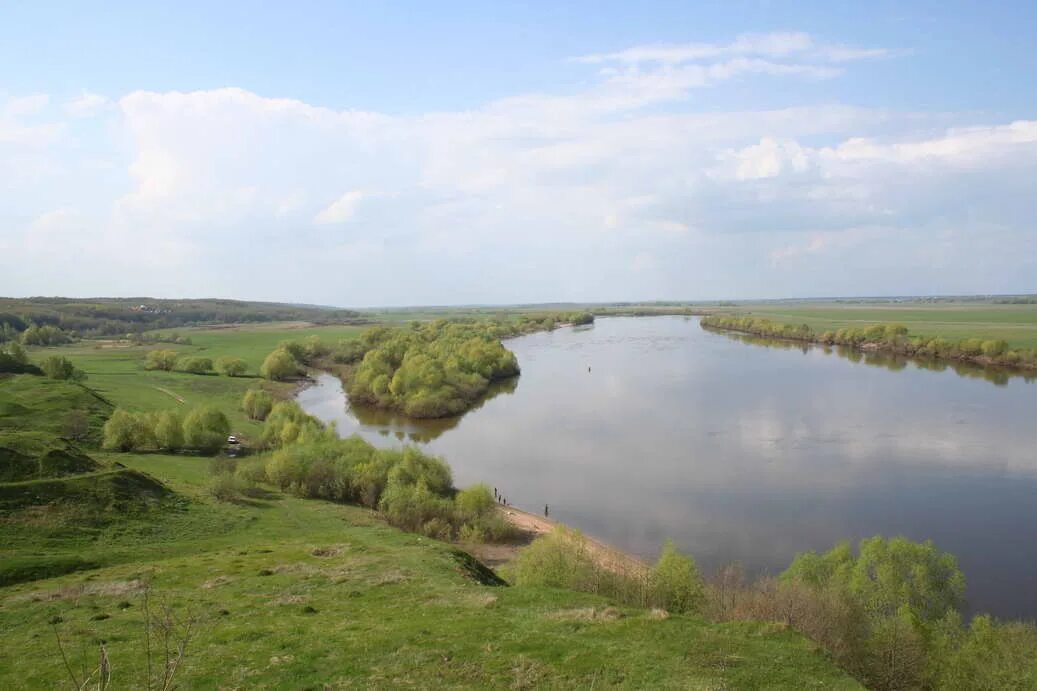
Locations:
(170, 393)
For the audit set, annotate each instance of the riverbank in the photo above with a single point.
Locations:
(892, 339)
(532, 526)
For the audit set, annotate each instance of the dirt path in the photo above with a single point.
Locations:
(170, 393)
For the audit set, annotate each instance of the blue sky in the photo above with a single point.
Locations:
(416, 153)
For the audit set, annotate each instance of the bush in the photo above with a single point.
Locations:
(196, 365)
(126, 431)
(279, 365)
(257, 404)
(161, 360)
(675, 583)
(57, 367)
(206, 429)
(232, 366)
(226, 487)
(475, 501)
(169, 431)
(287, 423)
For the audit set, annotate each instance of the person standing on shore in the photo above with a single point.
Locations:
(547, 511)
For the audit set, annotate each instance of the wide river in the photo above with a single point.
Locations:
(639, 429)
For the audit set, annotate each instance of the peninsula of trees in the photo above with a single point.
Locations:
(892, 338)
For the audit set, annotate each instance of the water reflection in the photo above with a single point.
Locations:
(642, 429)
(327, 400)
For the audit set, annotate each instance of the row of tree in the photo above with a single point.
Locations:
(170, 360)
(892, 338)
(413, 490)
(204, 429)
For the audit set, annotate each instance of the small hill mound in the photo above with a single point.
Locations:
(57, 408)
(37, 456)
(94, 498)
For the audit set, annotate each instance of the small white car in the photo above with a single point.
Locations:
(232, 439)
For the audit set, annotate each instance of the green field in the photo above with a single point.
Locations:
(1016, 324)
(115, 369)
(295, 593)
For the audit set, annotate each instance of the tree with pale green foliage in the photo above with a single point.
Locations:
(206, 429)
(675, 582)
(127, 431)
(232, 366)
(164, 360)
(257, 404)
(279, 365)
(475, 501)
(57, 367)
(169, 431)
(196, 365)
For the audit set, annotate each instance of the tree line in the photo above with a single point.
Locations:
(170, 360)
(893, 338)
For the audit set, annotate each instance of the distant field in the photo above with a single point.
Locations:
(1016, 324)
(116, 371)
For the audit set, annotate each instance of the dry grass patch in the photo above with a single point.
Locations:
(591, 614)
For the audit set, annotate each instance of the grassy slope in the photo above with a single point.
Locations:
(390, 608)
(1016, 324)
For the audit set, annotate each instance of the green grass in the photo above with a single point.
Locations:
(116, 370)
(1016, 324)
(298, 593)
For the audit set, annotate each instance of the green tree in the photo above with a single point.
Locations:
(196, 365)
(279, 365)
(257, 404)
(17, 353)
(161, 360)
(126, 431)
(206, 429)
(57, 367)
(675, 582)
(169, 432)
(232, 366)
(475, 501)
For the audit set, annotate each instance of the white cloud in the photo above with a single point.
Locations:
(531, 197)
(771, 45)
(342, 209)
(86, 105)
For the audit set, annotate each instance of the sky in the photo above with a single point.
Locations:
(415, 153)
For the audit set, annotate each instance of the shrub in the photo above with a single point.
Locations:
(232, 366)
(169, 432)
(257, 404)
(475, 501)
(126, 431)
(675, 583)
(161, 360)
(279, 365)
(226, 487)
(196, 365)
(57, 367)
(206, 429)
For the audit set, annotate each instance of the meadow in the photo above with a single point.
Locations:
(1016, 324)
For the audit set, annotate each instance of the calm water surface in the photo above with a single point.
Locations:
(639, 429)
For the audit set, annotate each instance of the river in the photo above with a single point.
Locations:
(639, 429)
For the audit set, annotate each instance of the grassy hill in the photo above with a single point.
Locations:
(298, 593)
